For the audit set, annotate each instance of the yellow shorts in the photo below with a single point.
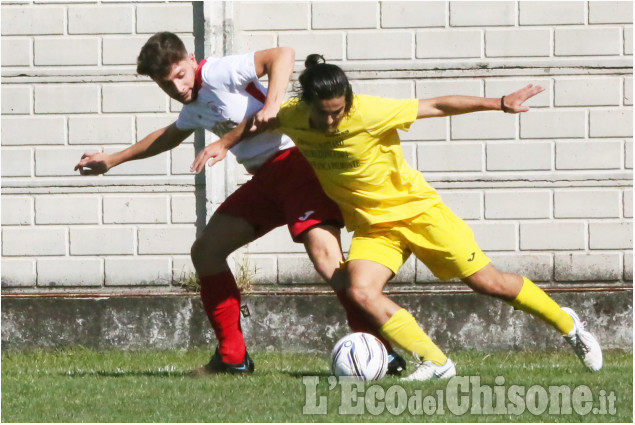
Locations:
(437, 237)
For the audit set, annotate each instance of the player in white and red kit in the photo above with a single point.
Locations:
(219, 93)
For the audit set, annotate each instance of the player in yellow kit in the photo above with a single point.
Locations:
(352, 144)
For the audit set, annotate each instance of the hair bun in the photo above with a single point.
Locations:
(313, 59)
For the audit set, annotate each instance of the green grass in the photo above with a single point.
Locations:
(80, 385)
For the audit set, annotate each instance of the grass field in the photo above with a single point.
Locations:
(80, 385)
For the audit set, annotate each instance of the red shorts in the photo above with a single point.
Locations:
(284, 190)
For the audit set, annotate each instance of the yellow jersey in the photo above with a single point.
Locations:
(361, 165)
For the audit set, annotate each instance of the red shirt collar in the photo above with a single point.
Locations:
(198, 79)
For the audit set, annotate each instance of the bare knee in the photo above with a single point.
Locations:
(364, 297)
(206, 254)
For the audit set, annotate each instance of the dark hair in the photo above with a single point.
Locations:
(323, 81)
(160, 52)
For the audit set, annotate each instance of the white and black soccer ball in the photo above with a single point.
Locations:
(359, 355)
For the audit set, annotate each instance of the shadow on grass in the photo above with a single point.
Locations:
(303, 373)
(122, 374)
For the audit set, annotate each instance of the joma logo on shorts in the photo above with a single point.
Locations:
(306, 216)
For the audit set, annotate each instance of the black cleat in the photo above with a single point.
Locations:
(396, 364)
(217, 365)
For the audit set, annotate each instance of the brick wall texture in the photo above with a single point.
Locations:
(548, 193)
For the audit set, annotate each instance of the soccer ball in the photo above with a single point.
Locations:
(359, 355)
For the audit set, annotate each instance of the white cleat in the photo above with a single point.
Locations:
(585, 346)
(428, 370)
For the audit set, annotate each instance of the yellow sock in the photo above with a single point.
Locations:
(535, 301)
(402, 329)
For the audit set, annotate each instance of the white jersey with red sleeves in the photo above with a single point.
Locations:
(229, 92)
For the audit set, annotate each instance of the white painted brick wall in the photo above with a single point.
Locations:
(264, 268)
(67, 209)
(17, 210)
(51, 162)
(294, 269)
(413, 14)
(537, 267)
(587, 92)
(551, 12)
(448, 44)
(628, 41)
(135, 209)
(181, 159)
(272, 15)
(628, 91)
(428, 129)
(66, 98)
(628, 203)
(586, 203)
(386, 45)
(16, 100)
(33, 131)
(244, 43)
(527, 190)
(329, 44)
(103, 240)
(16, 51)
(610, 12)
(618, 235)
(166, 240)
(18, 272)
(32, 20)
(31, 241)
(552, 236)
(552, 124)
(587, 41)
(16, 162)
(497, 236)
(505, 204)
(133, 98)
(522, 43)
(465, 204)
(602, 155)
(66, 51)
(183, 208)
(146, 124)
(588, 267)
(510, 156)
(628, 265)
(450, 157)
(344, 14)
(611, 123)
(136, 271)
(100, 19)
(175, 17)
(56, 272)
(485, 125)
(428, 89)
(100, 130)
(482, 13)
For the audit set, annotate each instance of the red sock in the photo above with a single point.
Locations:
(221, 300)
(358, 320)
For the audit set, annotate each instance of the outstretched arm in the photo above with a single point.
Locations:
(455, 105)
(153, 144)
(216, 151)
(277, 64)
